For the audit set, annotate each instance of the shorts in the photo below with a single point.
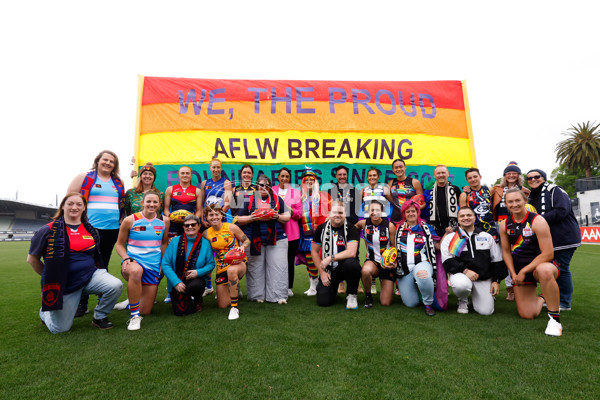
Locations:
(384, 273)
(151, 277)
(530, 279)
(221, 278)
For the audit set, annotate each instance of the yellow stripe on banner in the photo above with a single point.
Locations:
(469, 127)
(166, 117)
(296, 147)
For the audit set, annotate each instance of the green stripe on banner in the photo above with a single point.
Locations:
(167, 174)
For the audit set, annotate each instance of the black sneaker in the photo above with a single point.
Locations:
(103, 323)
(368, 300)
(81, 310)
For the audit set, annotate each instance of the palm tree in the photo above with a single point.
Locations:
(581, 148)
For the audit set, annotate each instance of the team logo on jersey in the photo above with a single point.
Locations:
(98, 185)
(339, 242)
(158, 230)
(87, 237)
(510, 231)
(191, 194)
(527, 232)
(369, 231)
(419, 240)
(140, 229)
(214, 239)
(383, 238)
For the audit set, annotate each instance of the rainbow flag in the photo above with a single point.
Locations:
(457, 244)
(271, 123)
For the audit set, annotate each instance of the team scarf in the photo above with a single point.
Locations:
(458, 242)
(310, 207)
(56, 263)
(88, 183)
(256, 245)
(545, 198)
(429, 248)
(182, 302)
(451, 208)
(327, 239)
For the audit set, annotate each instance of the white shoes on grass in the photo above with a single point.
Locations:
(463, 306)
(553, 328)
(234, 313)
(351, 302)
(134, 324)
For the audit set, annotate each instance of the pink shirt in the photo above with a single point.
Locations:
(292, 200)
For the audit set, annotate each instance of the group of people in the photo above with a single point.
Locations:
(469, 240)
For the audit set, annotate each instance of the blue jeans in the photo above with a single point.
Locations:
(410, 285)
(564, 280)
(102, 283)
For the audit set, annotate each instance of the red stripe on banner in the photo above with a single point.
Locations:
(445, 94)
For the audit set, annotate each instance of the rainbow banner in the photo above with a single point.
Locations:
(321, 124)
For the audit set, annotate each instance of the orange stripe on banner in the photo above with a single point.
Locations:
(241, 116)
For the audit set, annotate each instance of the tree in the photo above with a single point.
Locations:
(582, 147)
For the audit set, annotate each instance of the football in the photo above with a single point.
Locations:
(419, 199)
(264, 214)
(234, 255)
(530, 208)
(179, 215)
(389, 256)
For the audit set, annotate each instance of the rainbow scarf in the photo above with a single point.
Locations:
(310, 210)
(458, 243)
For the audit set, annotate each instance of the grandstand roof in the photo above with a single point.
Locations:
(7, 206)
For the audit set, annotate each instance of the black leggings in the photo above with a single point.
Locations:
(292, 250)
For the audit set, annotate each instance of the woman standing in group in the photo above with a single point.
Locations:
(72, 265)
(315, 209)
(186, 263)
(216, 190)
(134, 196)
(401, 188)
(292, 199)
(243, 191)
(267, 276)
(379, 233)
(143, 238)
(224, 237)
(553, 203)
(511, 178)
(375, 191)
(527, 252)
(105, 195)
(417, 243)
(183, 196)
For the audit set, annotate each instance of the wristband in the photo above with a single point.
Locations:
(127, 259)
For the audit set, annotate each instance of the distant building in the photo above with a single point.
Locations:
(19, 220)
(587, 205)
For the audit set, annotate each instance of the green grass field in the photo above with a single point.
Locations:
(299, 351)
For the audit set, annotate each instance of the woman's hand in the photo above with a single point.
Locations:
(191, 274)
(494, 288)
(180, 287)
(473, 276)
(519, 279)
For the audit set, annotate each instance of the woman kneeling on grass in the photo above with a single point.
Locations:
(416, 242)
(187, 264)
(223, 237)
(528, 252)
(143, 238)
(72, 266)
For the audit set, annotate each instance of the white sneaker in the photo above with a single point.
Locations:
(463, 306)
(312, 290)
(135, 323)
(260, 300)
(561, 308)
(290, 293)
(208, 291)
(121, 305)
(352, 302)
(553, 328)
(168, 298)
(234, 313)
(282, 301)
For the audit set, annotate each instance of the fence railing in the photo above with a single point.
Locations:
(13, 236)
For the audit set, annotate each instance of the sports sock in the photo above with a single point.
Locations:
(134, 309)
(209, 282)
(234, 301)
(312, 269)
(554, 315)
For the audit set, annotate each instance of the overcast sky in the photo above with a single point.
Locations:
(68, 86)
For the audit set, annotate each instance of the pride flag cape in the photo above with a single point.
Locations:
(272, 123)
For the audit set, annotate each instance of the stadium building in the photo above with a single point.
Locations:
(19, 220)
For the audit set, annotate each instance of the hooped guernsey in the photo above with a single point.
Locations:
(145, 239)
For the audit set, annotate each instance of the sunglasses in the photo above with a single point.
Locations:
(190, 225)
(531, 178)
(262, 185)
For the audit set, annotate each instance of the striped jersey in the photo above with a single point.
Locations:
(145, 238)
(103, 205)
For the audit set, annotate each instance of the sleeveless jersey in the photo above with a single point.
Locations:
(376, 193)
(103, 205)
(376, 238)
(221, 241)
(214, 191)
(524, 244)
(241, 197)
(480, 202)
(400, 191)
(145, 238)
(183, 199)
